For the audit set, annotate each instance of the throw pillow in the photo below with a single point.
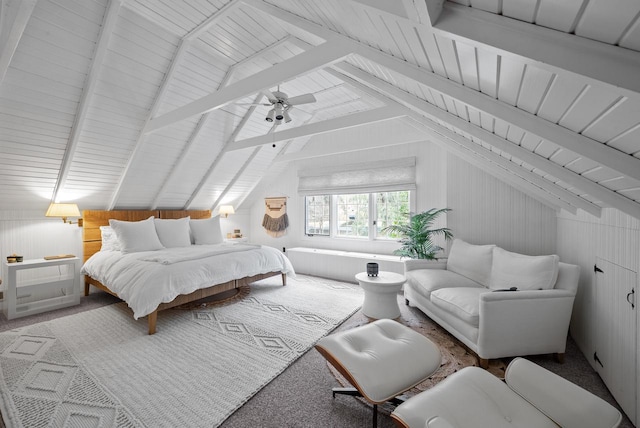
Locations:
(472, 261)
(173, 233)
(522, 271)
(135, 236)
(206, 231)
(109, 239)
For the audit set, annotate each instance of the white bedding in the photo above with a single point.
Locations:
(145, 284)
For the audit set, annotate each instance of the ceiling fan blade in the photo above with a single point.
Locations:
(253, 104)
(272, 98)
(301, 99)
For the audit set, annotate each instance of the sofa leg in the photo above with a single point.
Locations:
(484, 363)
(406, 302)
(559, 357)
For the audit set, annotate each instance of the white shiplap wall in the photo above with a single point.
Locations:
(486, 210)
(614, 237)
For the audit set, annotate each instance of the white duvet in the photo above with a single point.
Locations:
(146, 279)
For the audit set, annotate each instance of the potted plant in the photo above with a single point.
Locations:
(417, 235)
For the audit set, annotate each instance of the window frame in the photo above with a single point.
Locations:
(372, 222)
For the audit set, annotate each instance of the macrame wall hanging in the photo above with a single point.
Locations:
(275, 219)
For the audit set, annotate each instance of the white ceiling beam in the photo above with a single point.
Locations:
(235, 178)
(556, 51)
(563, 137)
(14, 15)
(140, 141)
(213, 19)
(559, 195)
(579, 144)
(214, 164)
(501, 174)
(348, 121)
(444, 134)
(108, 24)
(313, 59)
(585, 185)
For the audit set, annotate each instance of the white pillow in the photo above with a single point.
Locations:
(173, 233)
(206, 231)
(524, 272)
(472, 261)
(109, 239)
(136, 236)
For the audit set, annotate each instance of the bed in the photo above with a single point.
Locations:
(238, 261)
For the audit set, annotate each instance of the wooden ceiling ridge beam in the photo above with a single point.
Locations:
(14, 16)
(556, 51)
(313, 59)
(605, 195)
(108, 24)
(329, 125)
(207, 175)
(444, 133)
(608, 156)
(503, 175)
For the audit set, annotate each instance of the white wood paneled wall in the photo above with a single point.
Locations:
(583, 238)
(486, 210)
(32, 235)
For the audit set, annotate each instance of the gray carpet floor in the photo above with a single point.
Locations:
(301, 396)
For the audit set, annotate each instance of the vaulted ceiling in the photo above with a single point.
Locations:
(151, 103)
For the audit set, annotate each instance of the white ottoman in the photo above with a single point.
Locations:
(381, 360)
(381, 294)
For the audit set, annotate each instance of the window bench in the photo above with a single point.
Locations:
(339, 265)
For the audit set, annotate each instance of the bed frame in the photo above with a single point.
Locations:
(92, 241)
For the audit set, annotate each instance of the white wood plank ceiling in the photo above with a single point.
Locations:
(147, 103)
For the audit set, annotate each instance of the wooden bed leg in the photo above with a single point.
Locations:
(153, 317)
(86, 288)
(559, 356)
(284, 279)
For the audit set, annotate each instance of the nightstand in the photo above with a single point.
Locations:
(66, 280)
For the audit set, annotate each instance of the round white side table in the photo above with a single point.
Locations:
(381, 294)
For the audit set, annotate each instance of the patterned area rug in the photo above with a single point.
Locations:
(100, 368)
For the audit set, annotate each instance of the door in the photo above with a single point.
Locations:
(615, 353)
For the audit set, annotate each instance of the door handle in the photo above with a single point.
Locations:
(632, 295)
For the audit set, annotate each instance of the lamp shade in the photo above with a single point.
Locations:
(63, 210)
(226, 210)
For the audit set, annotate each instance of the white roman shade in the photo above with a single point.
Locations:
(381, 176)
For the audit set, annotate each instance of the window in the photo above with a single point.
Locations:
(391, 208)
(352, 213)
(317, 215)
(358, 216)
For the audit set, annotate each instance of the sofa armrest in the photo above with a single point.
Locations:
(524, 322)
(414, 264)
(565, 403)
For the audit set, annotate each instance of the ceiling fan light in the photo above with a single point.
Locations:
(278, 112)
(287, 118)
(270, 115)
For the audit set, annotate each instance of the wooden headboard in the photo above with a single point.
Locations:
(93, 219)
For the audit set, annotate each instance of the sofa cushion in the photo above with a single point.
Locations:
(522, 271)
(463, 303)
(472, 261)
(425, 281)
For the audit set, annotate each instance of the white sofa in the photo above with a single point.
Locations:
(465, 294)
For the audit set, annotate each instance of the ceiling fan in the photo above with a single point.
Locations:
(281, 105)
